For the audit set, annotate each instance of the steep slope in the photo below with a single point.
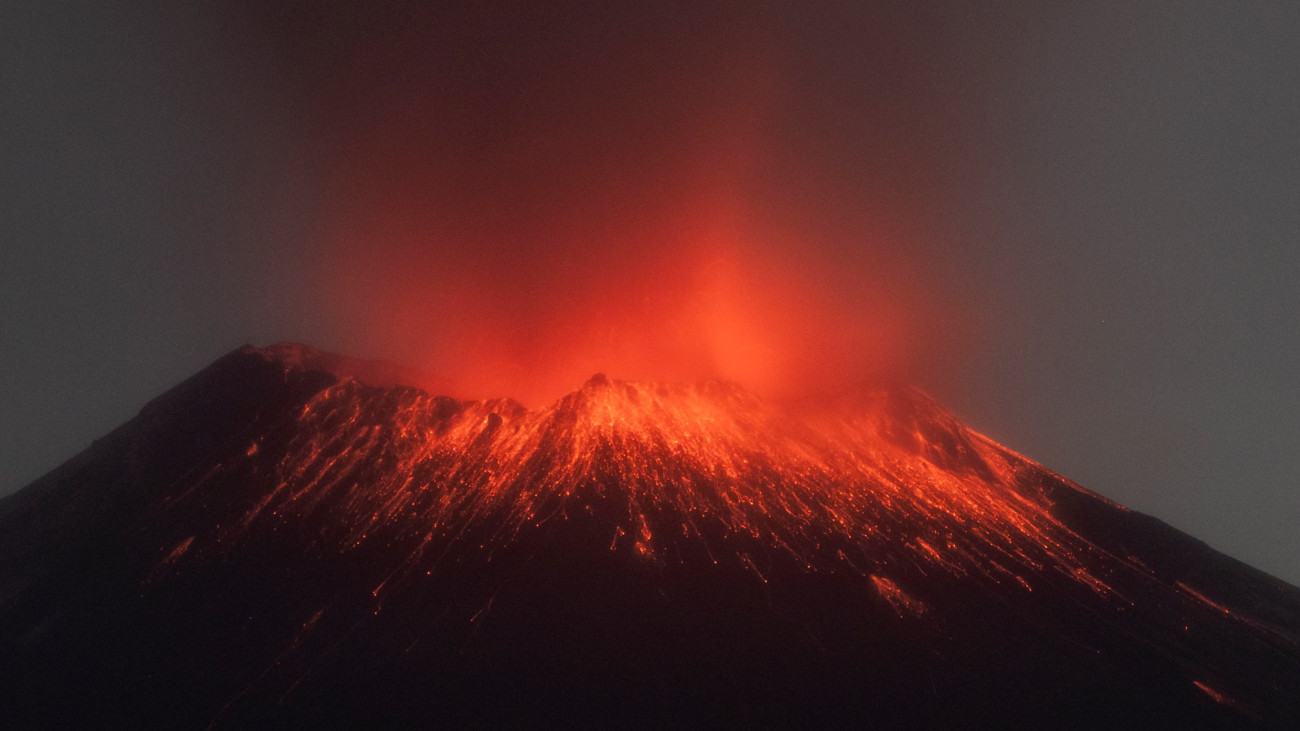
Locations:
(279, 540)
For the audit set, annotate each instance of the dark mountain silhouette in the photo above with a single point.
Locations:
(289, 539)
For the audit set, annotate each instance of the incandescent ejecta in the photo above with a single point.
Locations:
(294, 538)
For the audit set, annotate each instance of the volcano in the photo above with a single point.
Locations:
(294, 539)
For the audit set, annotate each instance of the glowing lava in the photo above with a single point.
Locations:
(671, 471)
(289, 541)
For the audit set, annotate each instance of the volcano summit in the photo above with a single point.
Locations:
(288, 538)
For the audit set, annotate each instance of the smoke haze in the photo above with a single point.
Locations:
(514, 198)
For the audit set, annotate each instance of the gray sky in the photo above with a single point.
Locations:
(1103, 195)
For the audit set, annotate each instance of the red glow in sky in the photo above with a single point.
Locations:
(689, 300)
(515, 208)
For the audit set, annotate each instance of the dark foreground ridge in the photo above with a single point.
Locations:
(293, 539)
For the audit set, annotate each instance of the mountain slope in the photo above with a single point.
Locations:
(277, 540)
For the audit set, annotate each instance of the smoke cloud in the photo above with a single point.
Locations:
(517, 196)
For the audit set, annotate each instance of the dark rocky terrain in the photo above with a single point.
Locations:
(291, 539)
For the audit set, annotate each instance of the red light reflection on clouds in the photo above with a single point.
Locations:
(591, 204)
(700, 303)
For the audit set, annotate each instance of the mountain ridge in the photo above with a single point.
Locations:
(313, 536)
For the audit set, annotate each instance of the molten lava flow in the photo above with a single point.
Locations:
(670, 471)
(307, 534)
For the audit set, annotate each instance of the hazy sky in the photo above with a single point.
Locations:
(1076, 223)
